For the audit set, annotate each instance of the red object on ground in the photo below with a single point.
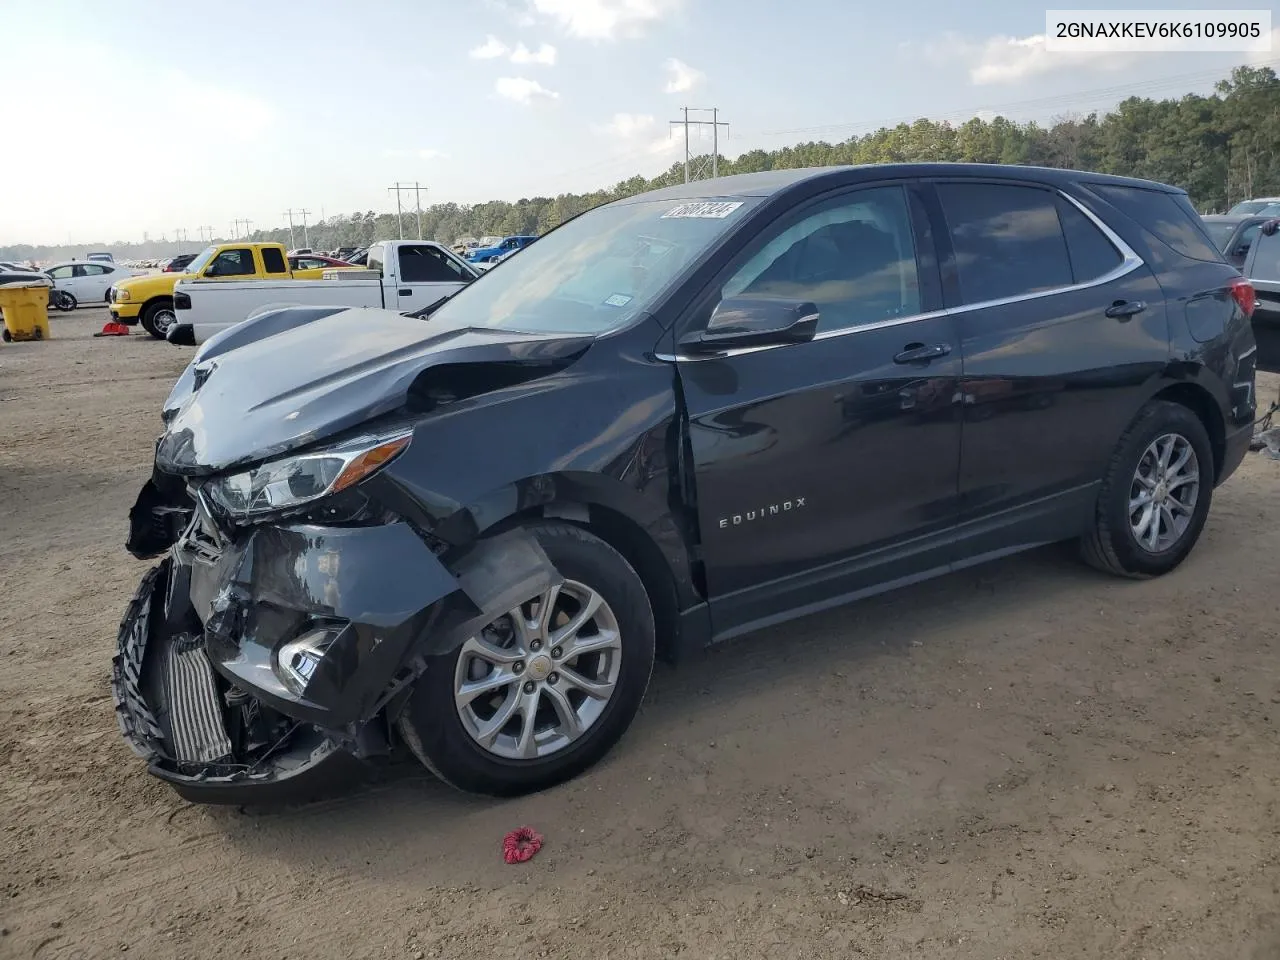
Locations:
(520, 845)
(113, 329)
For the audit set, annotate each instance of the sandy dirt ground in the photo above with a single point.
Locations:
(1024, 760)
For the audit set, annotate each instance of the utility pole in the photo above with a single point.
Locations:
(715, 123)
(306, 239)
(179, 235)
(240, 229)
(289, 214)
(416, 188)
(206, 229)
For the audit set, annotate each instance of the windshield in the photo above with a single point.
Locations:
(201, 260)
(1220, 232)
(597, 272)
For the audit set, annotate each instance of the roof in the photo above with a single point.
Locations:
(771, 182)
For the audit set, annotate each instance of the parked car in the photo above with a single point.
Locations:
(675, 419)
(1234, 233)
(1252, 206)
(503, 247)
(10, 266)
(86, 281)
(149, 299)
(180, 262)
(311, 266)
(401, 275)
(8, 275)
(103, 256)
(1263, 270)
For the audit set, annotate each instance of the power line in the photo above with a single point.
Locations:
(417, 189)
(306, 239)
(715, 124)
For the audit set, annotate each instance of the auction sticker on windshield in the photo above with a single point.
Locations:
(705, 210)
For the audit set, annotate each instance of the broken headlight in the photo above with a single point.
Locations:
(294, 481)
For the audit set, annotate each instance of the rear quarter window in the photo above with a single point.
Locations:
(1169, 217)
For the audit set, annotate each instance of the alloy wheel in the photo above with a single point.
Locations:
(536, 679)
(1164, 492)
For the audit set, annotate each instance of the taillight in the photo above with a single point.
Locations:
(1242, 292)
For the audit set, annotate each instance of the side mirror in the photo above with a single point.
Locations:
(754, 322)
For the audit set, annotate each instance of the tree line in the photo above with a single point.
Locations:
(1220, 148)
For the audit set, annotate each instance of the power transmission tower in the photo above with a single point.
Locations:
(416, 188)
(697, 168)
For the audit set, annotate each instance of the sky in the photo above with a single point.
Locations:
(154, 117)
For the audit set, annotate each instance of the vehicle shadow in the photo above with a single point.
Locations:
(405, 801)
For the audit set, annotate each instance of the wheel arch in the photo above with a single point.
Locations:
(1197, 398)
(644, 533)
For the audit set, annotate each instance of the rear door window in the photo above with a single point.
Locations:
(1008, 240)
(1169, 217)
(273, 260)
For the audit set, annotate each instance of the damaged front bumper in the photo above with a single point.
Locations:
(260, 666)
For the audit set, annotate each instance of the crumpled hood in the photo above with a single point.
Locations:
(295, 386)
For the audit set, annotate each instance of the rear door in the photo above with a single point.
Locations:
(94, 281)
(425, 273)
(1061, 325)
(824, 468)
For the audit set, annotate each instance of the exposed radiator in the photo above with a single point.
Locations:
(195, 715)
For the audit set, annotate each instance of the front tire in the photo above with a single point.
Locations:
(544, 691)
(66, 302)
(1155, 495)
(158, 317)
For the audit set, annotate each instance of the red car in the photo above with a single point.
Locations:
(315, 262)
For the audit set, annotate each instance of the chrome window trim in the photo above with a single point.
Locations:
(1129, 262)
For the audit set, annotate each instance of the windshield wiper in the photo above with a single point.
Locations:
(428, 310)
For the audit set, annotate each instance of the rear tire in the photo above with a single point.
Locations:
(1155, 495)
(158, 317)
(569, 730)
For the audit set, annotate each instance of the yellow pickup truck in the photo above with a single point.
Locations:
(149, 299)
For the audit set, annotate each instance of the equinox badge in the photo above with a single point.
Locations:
(772, 510)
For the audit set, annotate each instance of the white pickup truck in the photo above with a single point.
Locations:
(402, 275)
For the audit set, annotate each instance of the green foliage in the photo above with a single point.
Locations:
(1220, 148)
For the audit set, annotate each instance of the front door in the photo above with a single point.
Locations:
(427, 273)
(824, 468)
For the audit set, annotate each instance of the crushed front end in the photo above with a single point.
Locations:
(260, 661)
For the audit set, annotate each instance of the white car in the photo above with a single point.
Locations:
(88, 281)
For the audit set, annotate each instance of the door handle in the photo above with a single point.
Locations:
(922, 352)
(405, 292)
(1124, 309)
